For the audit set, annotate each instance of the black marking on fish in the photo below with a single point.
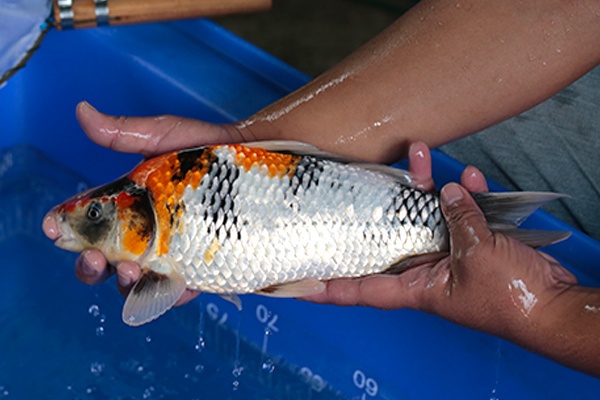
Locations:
(148, 279)
(123, 184)
(219, 199)
(142, 218)
(307, 174)
(94, 231)
(192, 158)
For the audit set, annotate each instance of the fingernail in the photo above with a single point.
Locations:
(85, 104)
(451, 193)
(470, 171)
(416, 149)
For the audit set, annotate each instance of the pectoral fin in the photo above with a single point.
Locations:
(294, 289)
(233, 298)
(153, 295)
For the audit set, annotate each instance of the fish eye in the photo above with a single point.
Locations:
(94, 212)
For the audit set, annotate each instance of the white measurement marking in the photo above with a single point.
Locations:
(369, 385)
(315, 381)
(266, 317)
(213, 312)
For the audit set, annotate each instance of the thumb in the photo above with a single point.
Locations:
(464, 219)
(150, 136)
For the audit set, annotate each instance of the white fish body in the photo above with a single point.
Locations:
(328, 220)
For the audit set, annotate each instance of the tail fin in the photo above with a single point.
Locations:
(504, 213)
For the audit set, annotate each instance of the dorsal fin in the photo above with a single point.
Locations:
(304, 149)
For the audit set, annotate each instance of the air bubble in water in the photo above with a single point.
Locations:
(148, 392)
(96, 368)
(94, 310)
(91, 389)
(100, 331)
(237, 371)
(200, 344)
(268, 366)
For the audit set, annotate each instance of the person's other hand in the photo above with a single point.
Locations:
(488, 282)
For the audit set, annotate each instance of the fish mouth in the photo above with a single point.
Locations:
(56, 229)
(67, 242)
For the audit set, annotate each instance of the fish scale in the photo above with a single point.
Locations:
(297, 229)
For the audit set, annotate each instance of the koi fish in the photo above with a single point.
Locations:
(273, 218)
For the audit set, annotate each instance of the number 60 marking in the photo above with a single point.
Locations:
(369, 385)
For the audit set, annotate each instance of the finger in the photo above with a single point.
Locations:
(379, 291)
(150, 136)
(341, 292)
(91, 267)
(559, 272)
(128, 273)
(465, 221)
(419, 165)
(474, 180)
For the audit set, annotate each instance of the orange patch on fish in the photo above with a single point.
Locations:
(142, 172)
(166, 181)
(133, 241)
(275, 164)
(135, 238)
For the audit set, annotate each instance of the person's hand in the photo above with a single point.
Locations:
(148, 136)
(489, 282)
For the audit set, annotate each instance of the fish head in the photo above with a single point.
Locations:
(116, 219)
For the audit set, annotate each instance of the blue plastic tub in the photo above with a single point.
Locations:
(61, 339)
